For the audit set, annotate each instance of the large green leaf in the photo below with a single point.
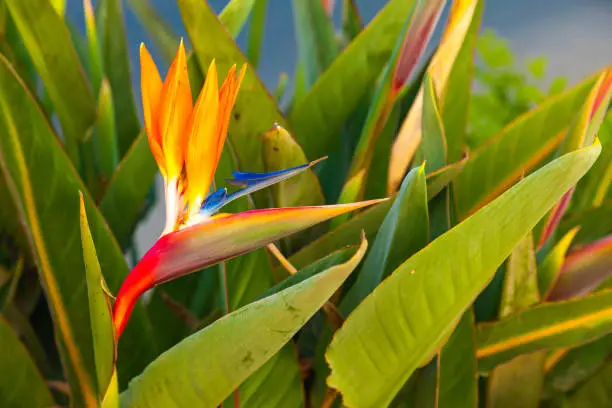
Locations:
(21, 385)
(516, 150)
(123, 200)
(48, 41)
(45, 188)
(99, 310)
(550, 325)
(277, 384)
(319, 115)
(255, 111)
(118, 71)
(409, 314)
(191, 375)
(404, 231)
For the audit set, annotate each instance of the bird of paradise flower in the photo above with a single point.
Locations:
(186, 141)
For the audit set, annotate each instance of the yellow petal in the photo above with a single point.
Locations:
(201, 158)
(175, 110)
(151, 87)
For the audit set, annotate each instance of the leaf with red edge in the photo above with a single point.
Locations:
(584, 270)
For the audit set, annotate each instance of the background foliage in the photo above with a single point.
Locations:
(482, 281)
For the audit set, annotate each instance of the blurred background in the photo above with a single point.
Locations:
(554, 39)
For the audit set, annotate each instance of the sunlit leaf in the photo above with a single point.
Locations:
(516, 150)
(550, 325)
(404, 231)
(242, 341)
(99, 310)
(411, 312)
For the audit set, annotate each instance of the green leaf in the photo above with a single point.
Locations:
(412, 311)
(595, 392)
(433, 146)
(334, 258)
(521, 279)
(118, 72)
(105, 134)
(589, 221)
(318, 116)
(351, 20)
(256, 31)
(48, 42)
(594, 187)
(93, 47)
(516, 150)
(211, 40)
(276, 384)
(22, 385)
(45, 191)
(568, 368)
(368, 220)
(316, 41)
(404, 231)
(280, 151)
(99, 310)
(125, 195)
(242, 342)
(550, 325)
(235, 14)
(518, 383)
(457, 368)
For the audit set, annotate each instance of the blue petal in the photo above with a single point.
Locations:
(251, 182)
(214, 201)
(244, 178)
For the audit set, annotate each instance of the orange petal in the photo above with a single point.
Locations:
(175, 110)
(201, 153)
(227, 99)
(151, 87)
